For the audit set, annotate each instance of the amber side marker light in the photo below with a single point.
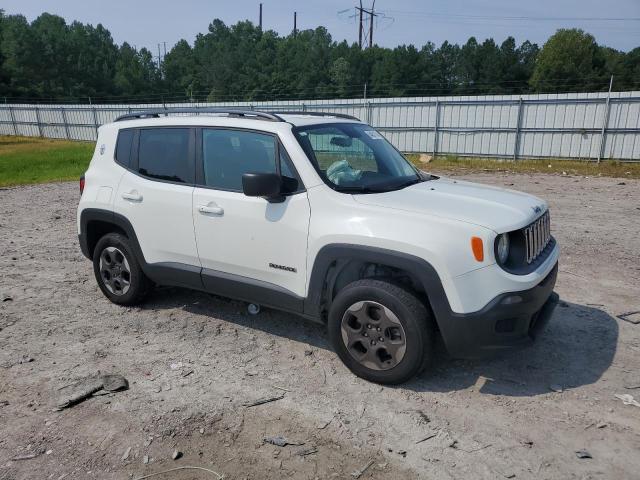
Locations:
(478, 248)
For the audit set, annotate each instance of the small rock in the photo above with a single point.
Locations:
(628, 399)
(25, 359)
(308, 353)
(126, 454)
(556, 388)
(7, 298)
(280, 441)
(145, 459)
(622, 183)
(176, 455)
(602, 425)
(583, 454)
(48, 452)
(202, 431)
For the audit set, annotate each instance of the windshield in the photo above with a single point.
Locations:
(352, 157)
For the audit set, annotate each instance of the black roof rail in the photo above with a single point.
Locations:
(316, 114)
(156, 113)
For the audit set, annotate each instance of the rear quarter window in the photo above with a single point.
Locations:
(123, 147)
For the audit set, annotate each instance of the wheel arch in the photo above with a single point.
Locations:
(95, 223)
(338, 264)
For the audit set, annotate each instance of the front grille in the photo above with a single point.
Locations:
(537, 237)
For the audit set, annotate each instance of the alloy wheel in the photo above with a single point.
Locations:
(373, 335)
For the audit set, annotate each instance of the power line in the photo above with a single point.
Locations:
(514, 18)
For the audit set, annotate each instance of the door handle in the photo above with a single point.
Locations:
(215, 210)
(132, 196)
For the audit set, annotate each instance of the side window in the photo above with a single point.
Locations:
(123, 147)
(228, 154)
(164, 154)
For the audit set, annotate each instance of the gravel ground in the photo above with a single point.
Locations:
(193, 361)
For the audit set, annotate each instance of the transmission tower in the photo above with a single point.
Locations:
(370, 14)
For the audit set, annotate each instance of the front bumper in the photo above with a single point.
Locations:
(510, 320)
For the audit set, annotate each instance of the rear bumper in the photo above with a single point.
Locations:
(509, 321)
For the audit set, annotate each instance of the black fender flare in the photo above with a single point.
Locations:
(97, 214)
(419, 268)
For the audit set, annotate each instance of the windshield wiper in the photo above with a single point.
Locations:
(361, 189)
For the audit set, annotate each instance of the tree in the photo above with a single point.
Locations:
(135, 72)
(4, 77)
(570, 60)
(180, 69)
(51, 59)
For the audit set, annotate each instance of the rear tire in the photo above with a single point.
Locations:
(118, 272)
(381, 331)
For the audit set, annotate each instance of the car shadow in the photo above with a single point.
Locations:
(576, 347)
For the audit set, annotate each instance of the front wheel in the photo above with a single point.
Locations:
(381, 331)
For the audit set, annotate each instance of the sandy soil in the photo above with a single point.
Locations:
(194, 360)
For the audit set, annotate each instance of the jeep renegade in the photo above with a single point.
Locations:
(318, 215)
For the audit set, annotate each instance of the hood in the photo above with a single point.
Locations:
(495, 208)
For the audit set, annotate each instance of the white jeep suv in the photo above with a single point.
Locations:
(317, 215)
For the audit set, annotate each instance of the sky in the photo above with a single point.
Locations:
(615, 23)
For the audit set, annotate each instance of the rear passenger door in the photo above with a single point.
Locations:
(155, 194)
(262, 245)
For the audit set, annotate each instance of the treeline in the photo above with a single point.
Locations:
(49, 59)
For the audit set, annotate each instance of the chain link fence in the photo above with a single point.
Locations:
(587, 126)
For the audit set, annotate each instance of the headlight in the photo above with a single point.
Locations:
(503, 248)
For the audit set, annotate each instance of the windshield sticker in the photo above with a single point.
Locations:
(373, 134)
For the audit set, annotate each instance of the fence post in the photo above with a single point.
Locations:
(64, 120)
(95, 120)
(435, 129)
(13, 120)
(38, 120)
(605, 122)
(516, 142)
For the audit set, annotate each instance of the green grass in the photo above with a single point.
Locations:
(606, 168)
(26, 160)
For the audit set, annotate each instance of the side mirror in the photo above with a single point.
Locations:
(266, 185)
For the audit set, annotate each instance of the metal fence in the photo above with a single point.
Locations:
(587, 126)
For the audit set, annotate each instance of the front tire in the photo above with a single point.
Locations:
(381, 331)
(118, 272)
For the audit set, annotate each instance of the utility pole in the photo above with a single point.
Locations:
(360, 29)
(372, 15)
(159, 57)
(295, 23)
(260, 18)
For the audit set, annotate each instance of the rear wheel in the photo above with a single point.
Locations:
(117, 271)
(381, 331)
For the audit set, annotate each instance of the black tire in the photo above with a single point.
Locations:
(138, 283)
(412, 315)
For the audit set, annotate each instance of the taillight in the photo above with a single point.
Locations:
(81, 184)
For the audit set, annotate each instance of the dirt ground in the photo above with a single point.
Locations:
(193, 361)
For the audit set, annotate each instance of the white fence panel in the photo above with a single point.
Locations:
(583, 126)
